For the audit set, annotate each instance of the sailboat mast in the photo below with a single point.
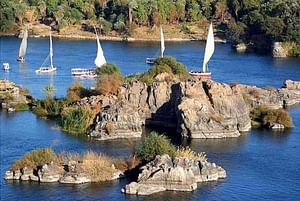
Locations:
(51, 51)
(162, 42)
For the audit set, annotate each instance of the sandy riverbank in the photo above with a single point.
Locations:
(171, 33)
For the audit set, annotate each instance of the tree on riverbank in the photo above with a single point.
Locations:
(243, 20)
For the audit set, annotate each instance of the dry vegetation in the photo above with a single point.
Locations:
(266, 116)
(35, 158)
(98, 166)
(77, 91)
(188, 153)
(109, 84)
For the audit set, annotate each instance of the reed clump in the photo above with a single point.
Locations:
(76, 120)
(36, 158)
(98, 166)
(187, 152)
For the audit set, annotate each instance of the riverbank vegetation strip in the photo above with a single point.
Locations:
(241, 20)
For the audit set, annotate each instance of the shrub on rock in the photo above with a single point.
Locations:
(77, 91)
(35, 158)
(109, 79)
(153, 145)
(267, 116)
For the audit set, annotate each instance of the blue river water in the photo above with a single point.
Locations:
(261, 165)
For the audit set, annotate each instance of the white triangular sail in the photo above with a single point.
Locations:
(209, 48)
(23, 46)
(51, 51)
(162, 42)
(100, 59)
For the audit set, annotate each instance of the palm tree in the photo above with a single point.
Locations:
(88, 9)
(132, 4)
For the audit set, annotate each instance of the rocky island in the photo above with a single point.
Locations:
(157, 165)
(13, 97)
(195, 108)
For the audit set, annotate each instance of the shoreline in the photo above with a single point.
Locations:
(112, 38)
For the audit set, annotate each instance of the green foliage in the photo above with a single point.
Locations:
(35, 158)
(167, 65)
(76, 120)
(21, 107)
(108, 69)
(106, 26)
(235, 31)
(245, 19)
(292, 49)
(266, 116)
(49, 107)
(153, 145)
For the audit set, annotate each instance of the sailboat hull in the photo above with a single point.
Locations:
(42, 70)
(21, 59)
(203, 75)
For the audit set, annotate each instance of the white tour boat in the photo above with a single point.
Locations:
(6, 66)
(99, 61)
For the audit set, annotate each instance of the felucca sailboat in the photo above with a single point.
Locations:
(162, 48)
(209, 50)
(99, 61)
(51, 68)
(23, 47)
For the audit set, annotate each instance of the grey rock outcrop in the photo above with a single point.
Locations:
(287, 96)
(71, 173)
(278, 50)
(12, 95)
(74, 178)
(292, 85)
(197, 109)
(212, 110)
(179, 174)
(50, 173)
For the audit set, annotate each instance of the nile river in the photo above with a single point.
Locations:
(261, 165)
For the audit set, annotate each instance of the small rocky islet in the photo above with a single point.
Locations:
(196, 108)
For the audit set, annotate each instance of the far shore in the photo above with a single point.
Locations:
(113, 38)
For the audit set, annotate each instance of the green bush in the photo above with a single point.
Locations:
(35, 158)
(49, 107)
(106, 26)
(153, 145)
(177, 67)
(21, 107)
(76, 120)
(165, 65)
(108, 69)
(266, 116)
